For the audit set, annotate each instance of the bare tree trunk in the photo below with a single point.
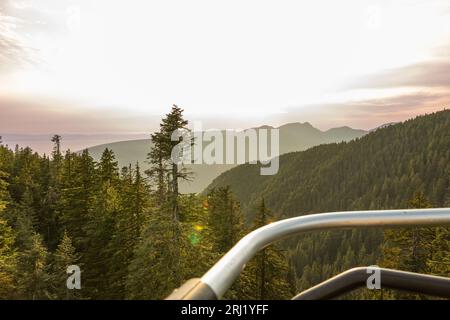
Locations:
(161, 180)
(175, 191)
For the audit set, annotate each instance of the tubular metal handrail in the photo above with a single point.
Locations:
(221, 276)
(389, 278)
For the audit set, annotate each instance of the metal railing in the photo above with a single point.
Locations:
(392, 279)
(214, 283)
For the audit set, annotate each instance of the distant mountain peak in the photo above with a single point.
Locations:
(265, 126)
(344, 128)
(295, 136)
(297, 125)
(337, 128)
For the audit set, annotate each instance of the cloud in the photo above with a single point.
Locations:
(13, 53)
(370, 113)
(19, 22)
(407, 105)
(43, 115)
(432, 73)
(425, 74)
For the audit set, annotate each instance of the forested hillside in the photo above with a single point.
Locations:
(399, 166)
(135, 236)
(380, 170)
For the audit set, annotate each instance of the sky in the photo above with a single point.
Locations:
(107, 66)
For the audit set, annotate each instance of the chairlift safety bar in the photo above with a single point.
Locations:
(215, 282)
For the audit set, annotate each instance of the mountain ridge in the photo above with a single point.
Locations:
(342, 176)
(294, 136)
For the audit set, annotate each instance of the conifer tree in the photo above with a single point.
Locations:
(3, 189)
(269, 270)
(64, 256)
(156, 268)
(100, 229)
(129, 221)
(108, 167)
(32, 270)
(439, 262)
(174, 122)
(56, 154)
(80, 185)
(8, 255)
(158, 165)
(409, 249)
(165, 220)
(8, 260)
(53, 196)
(225, 220)
(225, 227)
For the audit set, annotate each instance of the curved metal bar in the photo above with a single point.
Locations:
(389, 278)
(222, 275)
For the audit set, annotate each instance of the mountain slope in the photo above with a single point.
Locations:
(293, 137)
(383, 169)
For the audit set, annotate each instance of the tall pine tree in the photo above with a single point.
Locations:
(8, 255)
(269, 269)
(64, 256)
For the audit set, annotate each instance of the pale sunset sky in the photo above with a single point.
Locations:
(96, 66)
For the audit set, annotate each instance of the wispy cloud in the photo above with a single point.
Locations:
(13, 52)
(431, 73)
(434, 73)
(402, 103)
(42, 115)
(20, 22)
(369, 113)
(140, 58)
(397, 93)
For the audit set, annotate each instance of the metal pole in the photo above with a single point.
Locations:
(222, 275)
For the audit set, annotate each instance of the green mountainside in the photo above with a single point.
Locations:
(383, 169)
(398, 166)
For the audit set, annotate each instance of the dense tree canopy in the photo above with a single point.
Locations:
(134, 236)
(385, 169)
